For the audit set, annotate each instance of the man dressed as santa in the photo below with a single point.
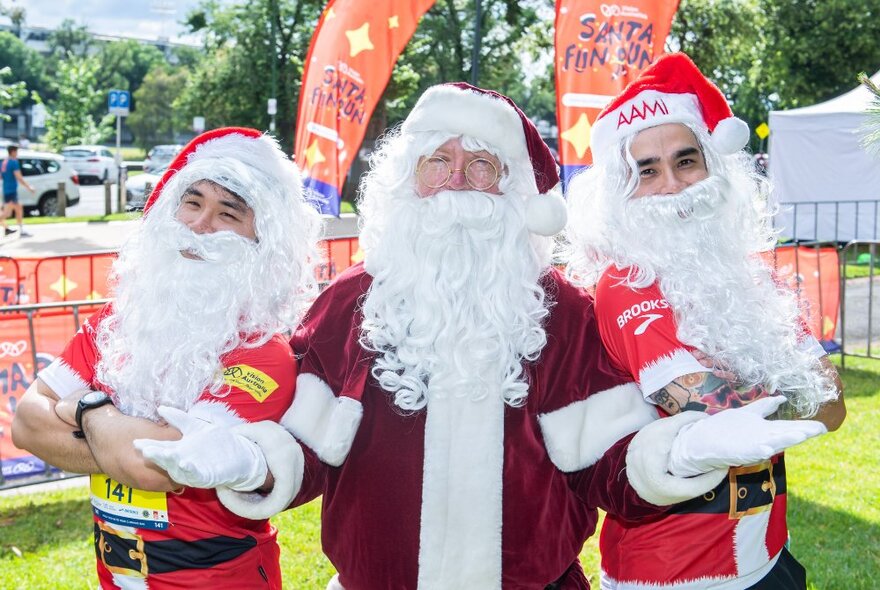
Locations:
(454, 405)
(207, 288)
(669, 224)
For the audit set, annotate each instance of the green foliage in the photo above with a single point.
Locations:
(441, 50)
(154, 121)
(69, 119)
(778, 54)
(10, 94)
(26, 65)
(70, 39)
(232, 84)
(124, 64)
(871, 131)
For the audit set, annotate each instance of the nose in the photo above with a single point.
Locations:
(674, 182)
(458, 180)
(202, 224)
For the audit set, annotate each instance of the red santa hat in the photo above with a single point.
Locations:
(671, 90)
(461, 109)
(256, 151)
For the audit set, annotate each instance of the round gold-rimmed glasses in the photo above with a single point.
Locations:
(480, 173)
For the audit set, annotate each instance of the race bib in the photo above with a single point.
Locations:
(251, 380)
(119, 504)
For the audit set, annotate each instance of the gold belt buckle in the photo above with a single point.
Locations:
(137, 554)
(738, 492)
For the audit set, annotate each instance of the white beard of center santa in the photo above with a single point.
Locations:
(455, 305)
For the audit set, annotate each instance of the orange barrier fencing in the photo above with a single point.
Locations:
(42, 303)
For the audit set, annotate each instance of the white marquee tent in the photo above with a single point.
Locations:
(816, 156)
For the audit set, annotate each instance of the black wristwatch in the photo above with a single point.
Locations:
(90, 401)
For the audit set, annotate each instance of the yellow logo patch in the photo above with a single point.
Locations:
(251, 380)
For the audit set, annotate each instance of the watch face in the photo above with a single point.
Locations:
(93, 397)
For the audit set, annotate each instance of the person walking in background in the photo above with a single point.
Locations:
(10, 170)
(669, 224)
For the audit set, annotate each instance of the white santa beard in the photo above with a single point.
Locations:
(725, 300)
(455, 301)
(174, 318)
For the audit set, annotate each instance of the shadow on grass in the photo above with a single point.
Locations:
(861, 382)
(32, 527)
(839, 550)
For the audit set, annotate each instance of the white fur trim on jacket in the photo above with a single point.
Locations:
(578, 434)
(326, 423)
(647, 463)
(285, 460)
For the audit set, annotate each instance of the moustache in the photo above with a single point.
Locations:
(217, 248)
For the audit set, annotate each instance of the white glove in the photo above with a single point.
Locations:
(208, 456)
(741, 436)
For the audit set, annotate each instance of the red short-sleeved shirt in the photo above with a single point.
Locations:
(261, 383)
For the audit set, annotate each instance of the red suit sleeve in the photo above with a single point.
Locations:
(639, 330)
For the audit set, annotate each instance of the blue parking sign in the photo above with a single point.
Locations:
(118, 102)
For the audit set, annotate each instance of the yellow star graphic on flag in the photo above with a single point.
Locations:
(63, 286)
(314, 155)
(359, 39)
(578, 135)
(357, 256)
(94, 295)
(393, 22)
(330, 14)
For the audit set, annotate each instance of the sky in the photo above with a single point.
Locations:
(145, 19)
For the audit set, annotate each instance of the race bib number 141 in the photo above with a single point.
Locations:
(119, 504)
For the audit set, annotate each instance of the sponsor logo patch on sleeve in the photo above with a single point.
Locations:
(251, 380)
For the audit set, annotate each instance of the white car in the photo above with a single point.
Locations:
(135, 188)
(93, 162)
(44, 171)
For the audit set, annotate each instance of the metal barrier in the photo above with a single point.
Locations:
(830, 221)
(847, 254)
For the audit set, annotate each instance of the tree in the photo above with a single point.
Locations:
(26, 65)
(124, 64)
(232, 84)
(778, 54)
(155, 120)
(17, 15)
(69, 119)
(70, 39)
(10, 94)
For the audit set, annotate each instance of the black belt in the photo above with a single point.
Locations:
(747, 490)
(129, 554)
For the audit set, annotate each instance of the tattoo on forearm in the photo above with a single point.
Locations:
(704, 392)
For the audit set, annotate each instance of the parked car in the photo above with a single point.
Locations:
(44, 171)
(92, 162)
(135, 188)
(160, 156)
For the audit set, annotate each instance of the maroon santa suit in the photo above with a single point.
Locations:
(374, 463)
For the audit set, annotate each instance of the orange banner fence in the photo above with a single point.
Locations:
(42, 303)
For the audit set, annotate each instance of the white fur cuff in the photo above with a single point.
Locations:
(647, 463)
(324, 422)
(579, 433)
(285, 459)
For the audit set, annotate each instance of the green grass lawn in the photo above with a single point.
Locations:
(834, 515)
